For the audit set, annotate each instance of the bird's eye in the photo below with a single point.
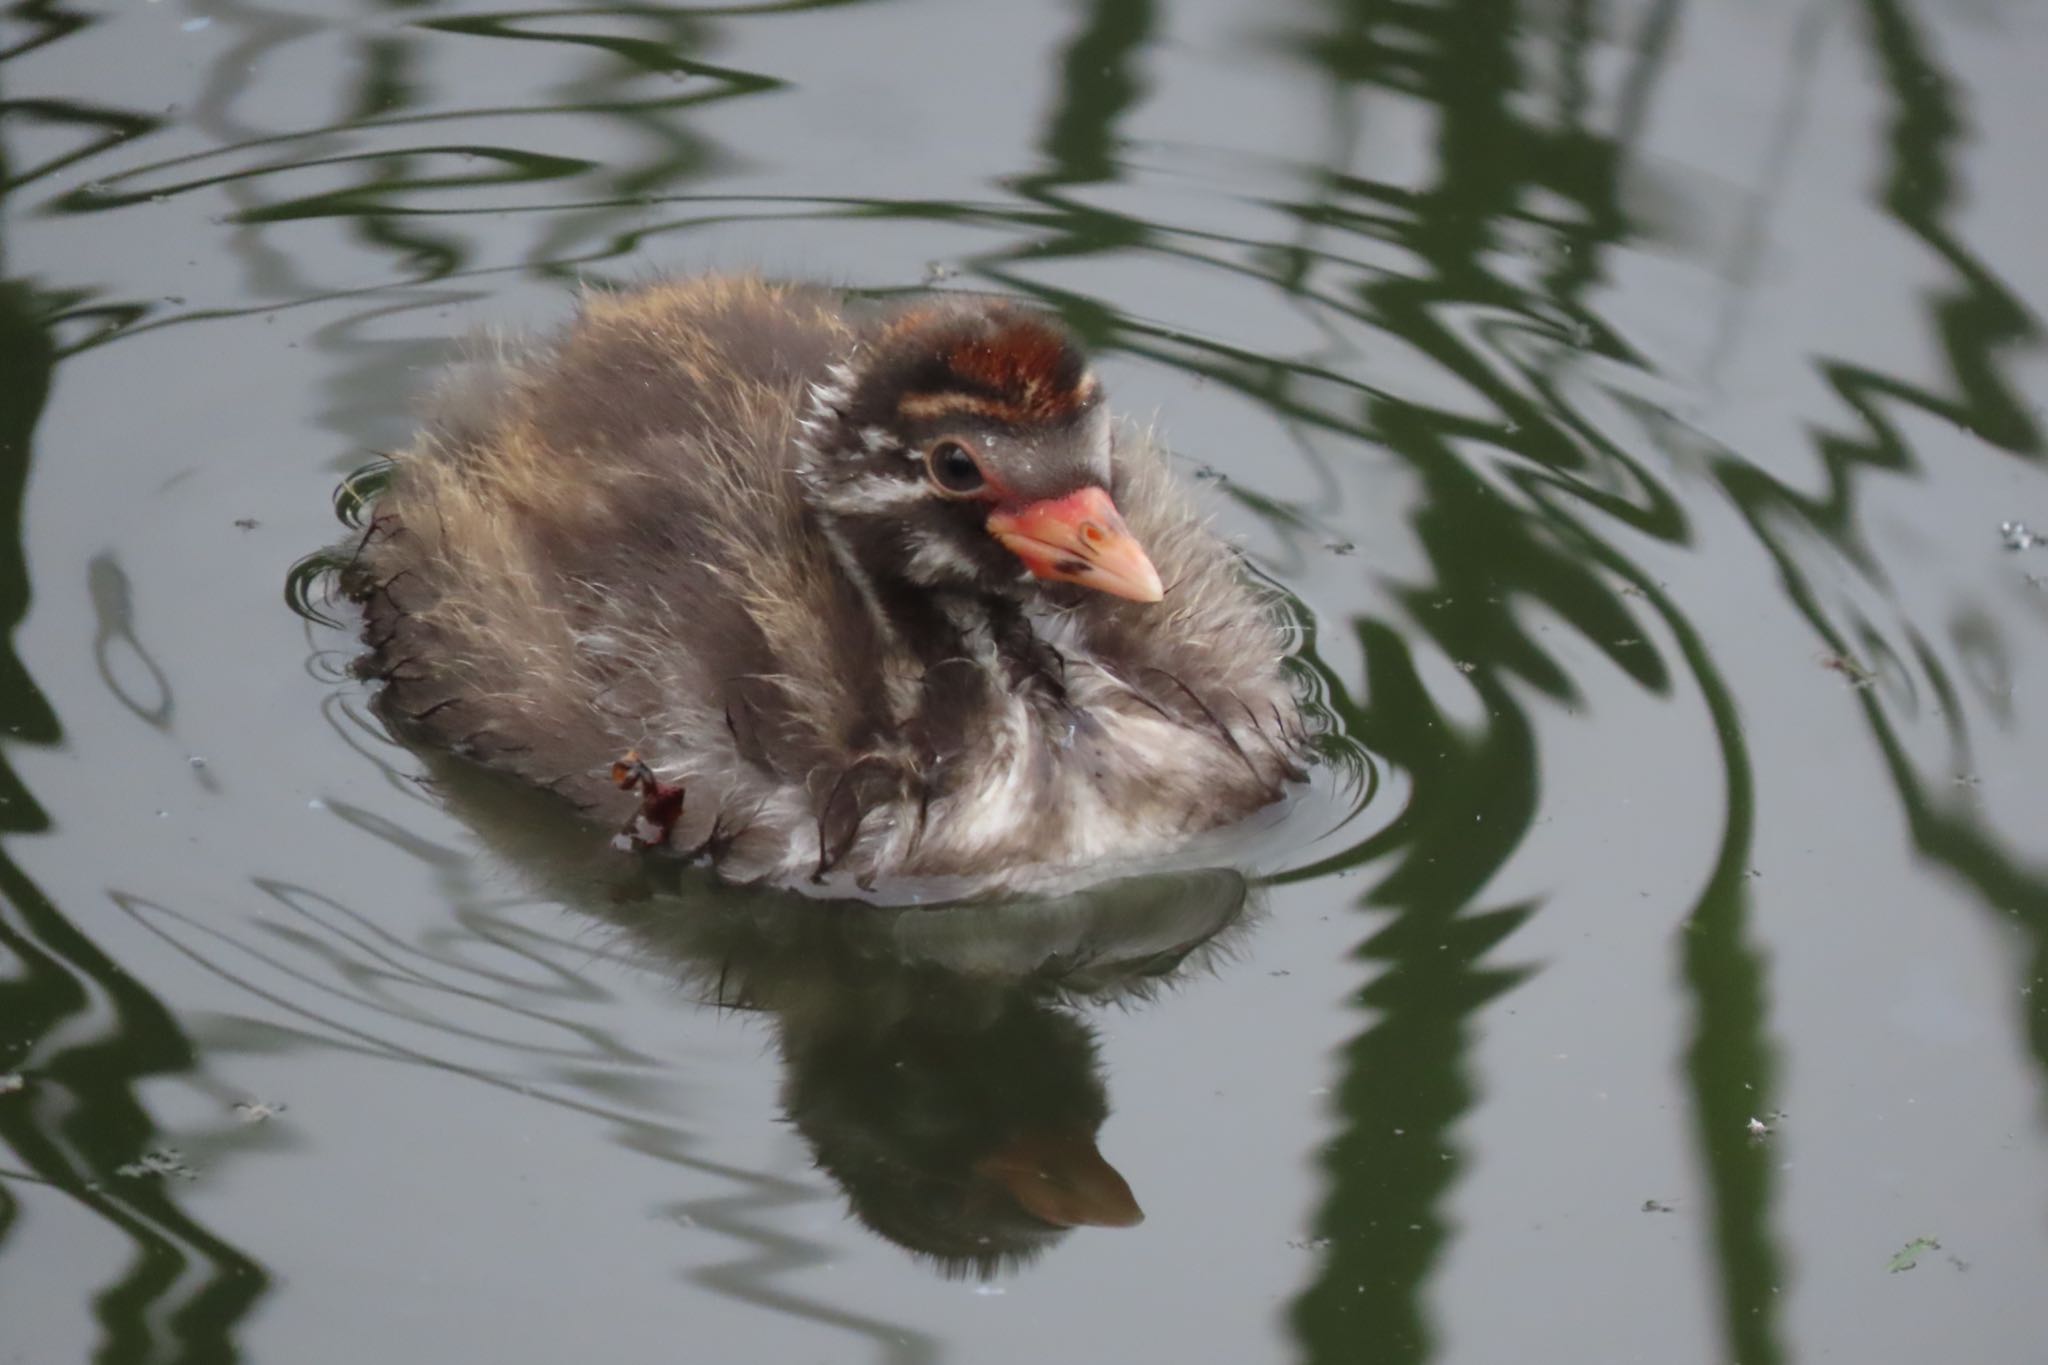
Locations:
(953, 469)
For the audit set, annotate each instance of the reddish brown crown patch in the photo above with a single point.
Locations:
(1014, 369)
(992, 361)
(1019, 355)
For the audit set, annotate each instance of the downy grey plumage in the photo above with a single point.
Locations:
(881, 590)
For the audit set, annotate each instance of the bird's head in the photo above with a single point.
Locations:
(966, 447)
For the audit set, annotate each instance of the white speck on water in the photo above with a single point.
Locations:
(2018, 536)
(990, 1291)
(1757, 1127)
(11, 1082)
(316, 804)
(167, 1161)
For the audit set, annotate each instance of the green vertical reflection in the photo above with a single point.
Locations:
(1507, 140)
(1405, 1082)
(184, 1290)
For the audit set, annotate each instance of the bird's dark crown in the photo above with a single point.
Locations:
(986, 370)
(943, 415)
(994, 362)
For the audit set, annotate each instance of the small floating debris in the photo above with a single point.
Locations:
(1658, 1206)
(1757, 1128)
(165, 1161)
(257, 1111)
(2018, 536)
(1340, 547)
(1856, 673)
(11, 1082)
(1909, 1255)
(246, 523)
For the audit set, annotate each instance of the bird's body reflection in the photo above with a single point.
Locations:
(938, 1064)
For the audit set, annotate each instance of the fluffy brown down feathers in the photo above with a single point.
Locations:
(602, 545)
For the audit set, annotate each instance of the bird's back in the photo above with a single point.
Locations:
(599, 547)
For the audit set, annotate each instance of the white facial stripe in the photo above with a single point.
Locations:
(818, 417)
(1095, 439)
(856, 496)
(934, 560)
(827, 399)
(824, 407)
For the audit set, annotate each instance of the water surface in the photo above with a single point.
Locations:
(1631, 395)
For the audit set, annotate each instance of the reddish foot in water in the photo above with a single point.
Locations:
(660, 805)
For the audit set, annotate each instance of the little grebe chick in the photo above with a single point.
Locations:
(867, 591)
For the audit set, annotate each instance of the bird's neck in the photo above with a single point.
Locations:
(968, 645)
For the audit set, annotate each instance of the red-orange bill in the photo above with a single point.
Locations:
(1080, 538)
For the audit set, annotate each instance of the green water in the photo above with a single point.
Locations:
(1633, 396)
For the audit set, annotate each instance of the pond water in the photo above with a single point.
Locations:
(1643, 402)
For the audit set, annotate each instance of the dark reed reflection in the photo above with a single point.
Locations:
(1508, 87)
(1982, 331)
(1469, 61)
(83, 1035)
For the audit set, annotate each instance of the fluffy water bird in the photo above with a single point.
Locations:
(822, 589)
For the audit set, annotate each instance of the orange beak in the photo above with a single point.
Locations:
(1080, 538)
(1063, 1180)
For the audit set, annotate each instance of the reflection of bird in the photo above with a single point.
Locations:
(962, 1127)
(825, 570)
(938, 1064)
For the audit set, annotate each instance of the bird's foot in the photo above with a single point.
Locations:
(661, 806)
